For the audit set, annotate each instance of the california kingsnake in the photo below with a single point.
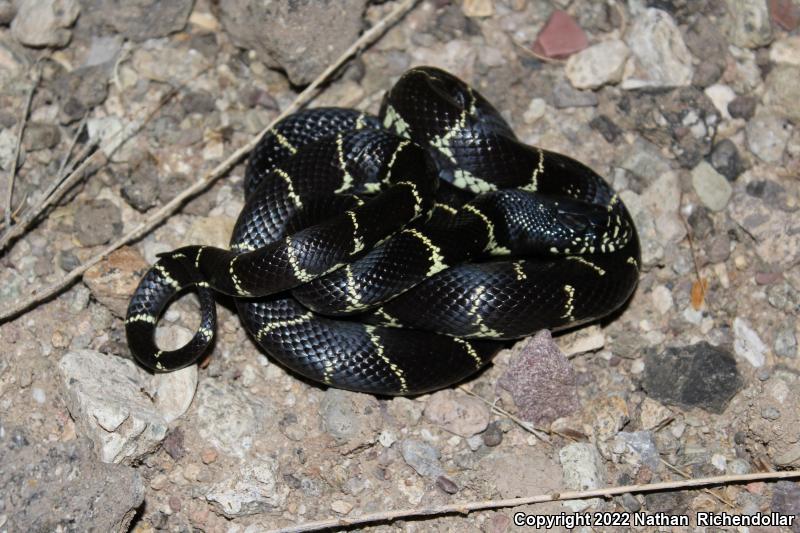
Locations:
(395, 255)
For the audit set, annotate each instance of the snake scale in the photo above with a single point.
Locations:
(397, 254)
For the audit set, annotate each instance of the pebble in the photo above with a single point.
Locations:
(583, 469)
(113, 279)
(459, 414)
(697, 375)
(341, 507)
(169, 64)
(785, 343)
(536, 110)
(565, 95)
(80, 90)
(742, 107)
(208, 455)
(254, 489)
(652, 414)
(478, 8)
(767, 135)
(105, 397)
(721, 96)
(726, 160)
(143, 19)
(422, 457)
(606, 127)
(40, 23)
(175, 391)
(541, 380)
(638, 448)
(40, 136)
(786, 51)
(660, 56)
(747, 344)
(785, 13)
(783, 91)
(560, 37)
(749, 25)
(493, 435)
(38, 395)
(711, 187)
(598, 65)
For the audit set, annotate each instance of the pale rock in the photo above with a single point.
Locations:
(174, 392)
(721, 95)
(598, 65)
(105, 397)
(40, 23)
(478, 8)
(457, 413)
(256, 488)
(536, 110)
(653, 413)
(583, 470)
(711, 187)
(749, 23)
(786, 51)
(747, 344)
(767, 134)
(662, 299)
(660, 58)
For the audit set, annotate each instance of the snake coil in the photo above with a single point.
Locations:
(397, 254)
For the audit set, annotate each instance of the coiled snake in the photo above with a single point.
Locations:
(396, 255)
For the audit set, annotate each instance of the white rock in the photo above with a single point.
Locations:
(41, 23)
(174, 392)
(536, 110)
(583, 470)
(104, 396)
(659, 55)
(254, 489)
(749, 25)
(107, 131)
(786, 51)
(598, 65)
(721, 95)
(662, 299)
(767, 135)
(747, 344)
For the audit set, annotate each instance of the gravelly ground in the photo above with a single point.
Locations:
(689, 108)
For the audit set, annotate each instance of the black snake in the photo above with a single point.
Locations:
(396, 255)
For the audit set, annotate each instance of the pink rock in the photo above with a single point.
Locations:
(785, 14)
(560, 38)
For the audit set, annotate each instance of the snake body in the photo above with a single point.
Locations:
(397, 254)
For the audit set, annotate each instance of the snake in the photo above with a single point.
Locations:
(397, 254)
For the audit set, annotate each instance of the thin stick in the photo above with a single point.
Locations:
(173, 205)
(20, 130)
(527, 426)
(62, 170)
(467, 507)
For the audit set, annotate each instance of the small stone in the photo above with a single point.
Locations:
(40, 23)
(175, 391)
(7, 12)
(446, 484)
(606, 127)
(630, 503)
(711, 187)
(726, 160)
(493, 435)
(653, 414)
(209, 455)
(536, 110)
(142, 19)
(459, 414)
(560, 37)
(113, 280)
(786, 500)
(698, 375)
(660, 57)
(80, 90)
(422, 457)
(737, 467)
(598, 65)
(747, 344)
(173, 444)
(607, 416)
(583, 470)
(565, 95)
(541, 380)
(742, 107)
(786, 14)
(721, 96)
(767, 135)
(662, 299)
(141, 187)
(254, 489)
(341, 507)
(749, 25)
(39, 136)
(783, 91)
(786, 51)
(638, 448)
(786, 343)
(478, 8)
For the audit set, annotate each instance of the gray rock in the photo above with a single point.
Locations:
(597, 65)
(7, 12)
(704, 39)
(351, 418)
(786, 343)
(783, 91)
(457, 413)
(606, 127)
(786, 500)
(170, 64)
(747, 344)
(81, 90)
(104, 396)
(422, 457)
(583, 470)
(39, 136)
(711, 187)
(103, 49)
(742, 107)
(40, 23)
(639, 448)
(541, 380)
(255, 488)
(229, 418)
(302, 38)
(565, 95)
(698, 375)
(660, 56)
(749, 23)
(140, 188)
(61, 487)
(139, 20)
(97, 222)
(767, 134)
(726, 160)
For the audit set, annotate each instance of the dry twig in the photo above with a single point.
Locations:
(20, 130)
(467, 507)
(173, 205)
